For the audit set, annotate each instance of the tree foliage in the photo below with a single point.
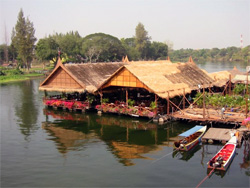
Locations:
(130, 49)
(47, 49)
(102, 47)
(214, 54)
(23, 39)
(70, 45)
(142, 41)
(158, 50)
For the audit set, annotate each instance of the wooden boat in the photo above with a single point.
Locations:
(190, 141)
(224, 157)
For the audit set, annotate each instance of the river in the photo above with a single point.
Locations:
(45, 148)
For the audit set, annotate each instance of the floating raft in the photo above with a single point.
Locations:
(217, 134)
(211, 116)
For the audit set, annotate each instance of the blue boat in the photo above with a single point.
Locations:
(191, 138)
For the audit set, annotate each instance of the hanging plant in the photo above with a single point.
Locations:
(153, 105)
(90, 98)
(131, 102)
(105, 100)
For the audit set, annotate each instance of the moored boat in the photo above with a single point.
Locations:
(224, 157)
(191, 140)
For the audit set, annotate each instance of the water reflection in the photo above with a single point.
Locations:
(67, 139)
(183, 155)
(246, 157)
(26, 107)
(127, 139)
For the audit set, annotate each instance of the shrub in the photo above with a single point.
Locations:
(12, 72)
(131, 102)
(2, 73)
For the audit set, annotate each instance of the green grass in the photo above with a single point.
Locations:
(12, 75)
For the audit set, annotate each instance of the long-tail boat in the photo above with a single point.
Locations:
(224, 157)
(191, 140)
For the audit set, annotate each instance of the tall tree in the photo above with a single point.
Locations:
(47, 49)
(142, 40)
(24, 39)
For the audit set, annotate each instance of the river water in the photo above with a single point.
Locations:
(45, 148)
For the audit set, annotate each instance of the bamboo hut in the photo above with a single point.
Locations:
(161, 80)
(76, 82)
(78, 77)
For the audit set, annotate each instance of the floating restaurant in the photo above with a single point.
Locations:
(140, 88)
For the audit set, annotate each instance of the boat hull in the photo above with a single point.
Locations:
(222, 160)
(191, 144)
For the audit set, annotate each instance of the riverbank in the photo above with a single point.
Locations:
(15, 78)
(13, 75)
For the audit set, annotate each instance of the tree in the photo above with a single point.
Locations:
(214, 52)
(158, 50)
(142, 40)
(70, 45)
(47, 49)
(24, 39)
(102, 47)
(130, 50)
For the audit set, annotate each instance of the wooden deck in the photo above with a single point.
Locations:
(224, 135)
(210, 116)
(218, 134)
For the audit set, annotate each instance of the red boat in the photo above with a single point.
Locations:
(224, 157)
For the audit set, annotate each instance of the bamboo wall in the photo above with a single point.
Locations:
(125, 79)
(62, 79)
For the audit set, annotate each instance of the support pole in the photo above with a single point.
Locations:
(45, 96)
(247, 95)
(168, 104)
(203, 102)
(156, 99)
(100, 93)
(230, 84)
(126, 97)
(184, 98)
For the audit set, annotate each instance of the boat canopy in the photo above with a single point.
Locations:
(191, 131)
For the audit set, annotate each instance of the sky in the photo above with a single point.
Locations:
(195, 24)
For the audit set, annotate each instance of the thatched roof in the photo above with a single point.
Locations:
(93, 74)
(222, 77)
(78, 77)
(241, 79)
(165, 78)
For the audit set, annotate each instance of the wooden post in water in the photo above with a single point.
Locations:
(203, 101)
